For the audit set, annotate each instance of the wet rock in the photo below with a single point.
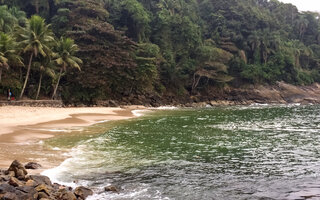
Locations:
(32, 165)
(111, 188)
(56, 186)
(18, 169)
(38, 179)
(64, 194)
(82, 192)
(15, 182)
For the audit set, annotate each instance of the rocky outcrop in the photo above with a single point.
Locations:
(281, 93)
(16, 184)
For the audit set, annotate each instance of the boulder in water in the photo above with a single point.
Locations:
(64, 194)
(82, 192)
(111, 188)
(32, 165)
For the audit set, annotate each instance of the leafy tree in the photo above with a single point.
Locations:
(8, 53)
(212, 64)
(7, 20)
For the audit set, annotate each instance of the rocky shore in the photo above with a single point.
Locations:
(279, 93)
(16, 184)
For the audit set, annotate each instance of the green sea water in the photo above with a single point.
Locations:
(240, 152)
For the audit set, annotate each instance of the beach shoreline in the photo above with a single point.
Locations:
(24, 128)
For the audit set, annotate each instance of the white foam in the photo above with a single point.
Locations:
(53, 174)
(138, 113)
(166, 108)
(102, 121)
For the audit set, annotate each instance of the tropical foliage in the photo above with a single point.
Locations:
(156, 48)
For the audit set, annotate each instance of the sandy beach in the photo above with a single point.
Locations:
(23, 127)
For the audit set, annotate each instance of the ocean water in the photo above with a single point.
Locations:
(239, 152)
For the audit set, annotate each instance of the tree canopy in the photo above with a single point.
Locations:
(156, 48)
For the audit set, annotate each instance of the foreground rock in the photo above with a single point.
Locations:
(16, 184)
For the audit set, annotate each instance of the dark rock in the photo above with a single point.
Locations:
(64, 194)
(15, 182)
(10, 196)
(82, 192)
(19, 171)
(4, 188)
(39, 179)
(4, 178)
(30, 193)
(32, 165)
(56, 186)
(111, 188)
(43, 195)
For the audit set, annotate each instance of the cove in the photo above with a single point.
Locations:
(239, 152)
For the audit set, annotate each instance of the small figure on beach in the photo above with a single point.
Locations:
(9, 95)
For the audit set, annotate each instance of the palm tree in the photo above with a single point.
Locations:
(45, 66)
(36, 38)
(66, 50)
(8, 53)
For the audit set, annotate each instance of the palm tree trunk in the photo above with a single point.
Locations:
(56, 87)
(0, 74)
(37, 6)
(39, 87)
(20, 73)
(27, 76)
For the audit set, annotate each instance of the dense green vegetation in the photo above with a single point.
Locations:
(138, 50)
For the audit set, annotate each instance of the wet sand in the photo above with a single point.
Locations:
(22, 130)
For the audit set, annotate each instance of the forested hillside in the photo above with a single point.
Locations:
(148, 51)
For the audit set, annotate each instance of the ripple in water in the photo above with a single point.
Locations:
(255, 152)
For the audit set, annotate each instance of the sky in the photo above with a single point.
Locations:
(305, 5)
